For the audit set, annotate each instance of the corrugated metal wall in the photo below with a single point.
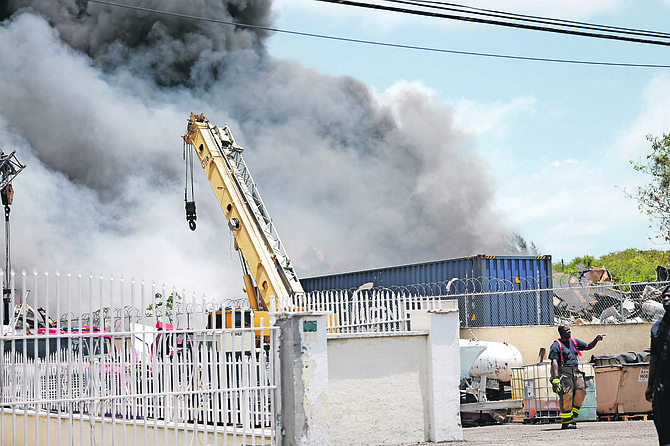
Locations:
(492, 290)
(527, 272)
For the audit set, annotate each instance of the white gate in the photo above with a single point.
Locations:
(113, 370)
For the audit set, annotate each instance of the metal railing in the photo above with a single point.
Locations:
(180, 383)
(369, 311)
(214, 380)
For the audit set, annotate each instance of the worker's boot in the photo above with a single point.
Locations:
(566, 420)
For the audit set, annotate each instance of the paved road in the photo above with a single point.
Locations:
(601, 433)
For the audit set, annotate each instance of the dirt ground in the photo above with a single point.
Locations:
(594, 433)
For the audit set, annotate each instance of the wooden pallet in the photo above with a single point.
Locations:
(516, 418)
(625, 417)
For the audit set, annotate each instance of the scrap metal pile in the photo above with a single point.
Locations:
(591, 297)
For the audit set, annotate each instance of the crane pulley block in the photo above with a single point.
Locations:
(7, 194)
(190, 214)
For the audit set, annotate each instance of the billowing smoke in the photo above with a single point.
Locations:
(164, 47)
(94, 98)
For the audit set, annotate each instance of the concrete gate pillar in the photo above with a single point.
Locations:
(303, 357)
(444, 371)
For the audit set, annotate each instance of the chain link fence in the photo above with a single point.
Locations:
(609, 303)
(487, 302)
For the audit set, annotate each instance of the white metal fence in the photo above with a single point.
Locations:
(139, 377)
(369, 311)
(216, 381)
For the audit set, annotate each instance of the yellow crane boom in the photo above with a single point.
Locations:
(252, 228)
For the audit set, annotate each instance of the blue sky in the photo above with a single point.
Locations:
(556, 138)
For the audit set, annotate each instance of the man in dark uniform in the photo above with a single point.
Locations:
(658, 387)
(566, 378)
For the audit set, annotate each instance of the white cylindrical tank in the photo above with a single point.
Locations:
(496, 361)
(470, 350)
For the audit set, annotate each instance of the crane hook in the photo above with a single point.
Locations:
(190, 214)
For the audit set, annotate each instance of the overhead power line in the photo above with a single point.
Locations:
(529, 18)
(524, 22)
(376, 43)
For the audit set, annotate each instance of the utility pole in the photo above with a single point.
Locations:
(10, 167)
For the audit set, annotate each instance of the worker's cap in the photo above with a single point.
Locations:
(564, 326)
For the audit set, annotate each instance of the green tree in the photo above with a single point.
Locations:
(165, 307)
(654, 198)
(634, 264)
(517, 245)
(586, 261)
(625, 266)
(573, 266)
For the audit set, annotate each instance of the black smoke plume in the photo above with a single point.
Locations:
(95, 97)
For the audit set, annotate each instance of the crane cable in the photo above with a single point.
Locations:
(7, 194)
(189, 204)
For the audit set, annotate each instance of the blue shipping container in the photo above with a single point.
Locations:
(492, 290)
